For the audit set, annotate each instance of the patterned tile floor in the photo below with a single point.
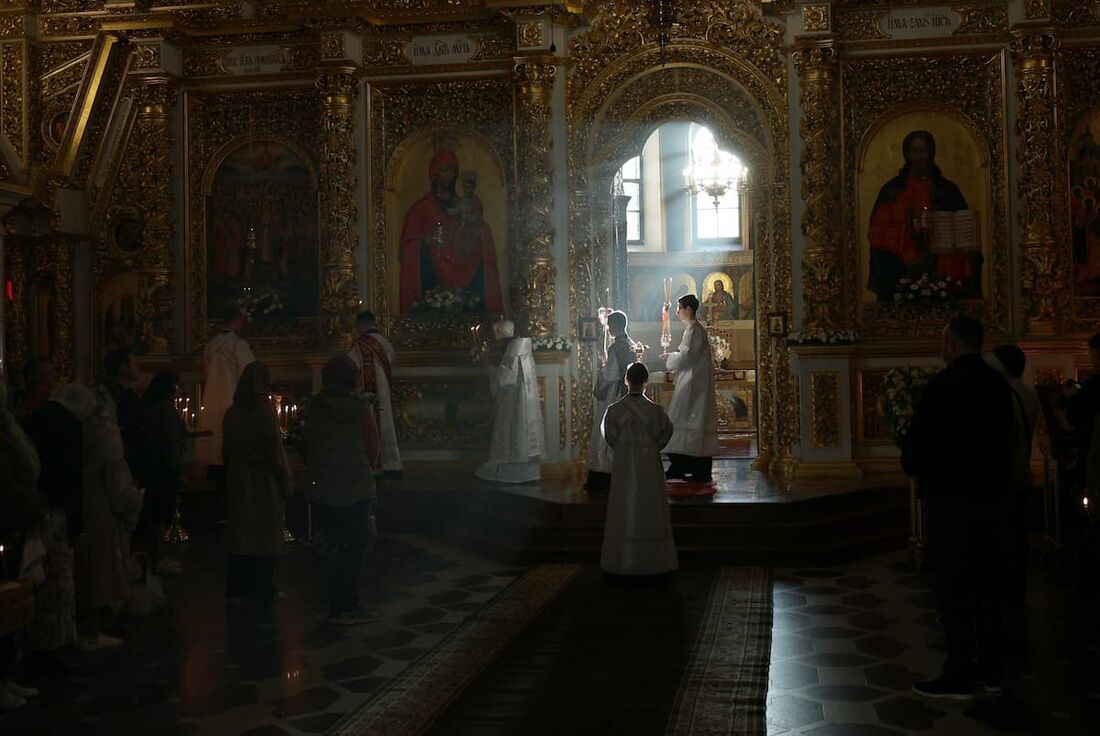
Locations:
(203, 669)
(848, 642)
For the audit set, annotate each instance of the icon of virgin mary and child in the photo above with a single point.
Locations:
(446, 243)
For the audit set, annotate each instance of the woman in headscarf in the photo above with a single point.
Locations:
(21, 511)
(111, 506)
(258, 483)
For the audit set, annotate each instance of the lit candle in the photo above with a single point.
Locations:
(1084, 501)
(3, 563)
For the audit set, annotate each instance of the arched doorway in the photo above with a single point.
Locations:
(613, 113)
(680, 213)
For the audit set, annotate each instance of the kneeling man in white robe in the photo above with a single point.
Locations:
(518, 438)
(692, 409)
(637, 538)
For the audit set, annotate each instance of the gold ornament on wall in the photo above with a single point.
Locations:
(825, 409)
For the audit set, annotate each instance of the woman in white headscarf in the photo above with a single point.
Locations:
(111, 506)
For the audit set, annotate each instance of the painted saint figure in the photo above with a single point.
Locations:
(720, 303)
(445, 243)
(900, 232)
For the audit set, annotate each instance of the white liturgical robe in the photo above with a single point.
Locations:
(609, 389)
(692, 409)
(637, 538)
(225, 356)
(518, 437)
(391, 455)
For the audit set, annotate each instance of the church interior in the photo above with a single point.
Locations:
(447, 188)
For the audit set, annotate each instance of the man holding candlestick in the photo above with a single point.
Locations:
(694, 442)
(609, 389)
(374, 359)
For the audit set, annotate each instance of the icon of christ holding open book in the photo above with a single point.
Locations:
(920, 225)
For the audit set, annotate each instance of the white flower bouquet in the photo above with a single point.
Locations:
(551, 345)
(903, 388)
(259, 304)
(823, 337)
(925, 290)
(453, 301)
(719, 349)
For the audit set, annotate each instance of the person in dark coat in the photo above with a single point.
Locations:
(120, 374)
(342, 443)
(1083, 403)
(162, 448)
(959, 449)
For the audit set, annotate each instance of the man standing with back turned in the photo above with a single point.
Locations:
(959, 449)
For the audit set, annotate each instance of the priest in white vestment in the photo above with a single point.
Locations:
(374, 358)
(610, 387)
(518, 438)
(637, 538)
(692, 410)
(225, 357)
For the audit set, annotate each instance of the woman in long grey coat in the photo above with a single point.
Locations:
(258, 483)
(111, 506)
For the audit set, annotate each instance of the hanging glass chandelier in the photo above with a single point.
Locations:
(713, 172)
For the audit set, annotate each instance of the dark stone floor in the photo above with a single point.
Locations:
(847, 643)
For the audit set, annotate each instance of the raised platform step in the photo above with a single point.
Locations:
(516, 525)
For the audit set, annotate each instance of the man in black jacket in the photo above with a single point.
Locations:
(959, 450)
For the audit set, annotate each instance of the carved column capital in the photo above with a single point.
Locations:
(339, 88)
(816, 63)
(1042, 263)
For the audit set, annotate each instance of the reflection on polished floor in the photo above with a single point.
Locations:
(846, 642)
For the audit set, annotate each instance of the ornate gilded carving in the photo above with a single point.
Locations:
(968, 86)
(825, 409)
(216, 124)
(860, 26)
(976, 19)
(337, 182)
(815, 18)
(563, 436)
(494, 46)
(13, 96)
(332, 46)
(823, 295)
(15, 314)
(148, 56)
(1036, 9)
(1042, 262)
(873, 426)
(204, 62)
(533, 271)
(530, 34)
(385, 52)
(1049, 375)
(431, 429)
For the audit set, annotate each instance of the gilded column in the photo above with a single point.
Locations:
(1042, 262)
(822, 291)
(153, 142)
(339, 87)
(533, 270)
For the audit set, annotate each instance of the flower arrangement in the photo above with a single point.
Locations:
(925, 290)
(903, 387)
(259, 304)
(454, 301)
(822, 337)
(551, 344)
(719, 349)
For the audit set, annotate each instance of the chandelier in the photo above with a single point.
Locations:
(713, 172)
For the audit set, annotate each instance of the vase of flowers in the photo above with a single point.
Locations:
(255, 305)
(926, 290)
(903, 388)
(823, 337)
(719, 350)
(447, 301)
(551, 345)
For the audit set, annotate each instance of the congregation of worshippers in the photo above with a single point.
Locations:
(90, 476)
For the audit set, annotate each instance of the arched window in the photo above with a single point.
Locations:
(716, 215)
(631, 177)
